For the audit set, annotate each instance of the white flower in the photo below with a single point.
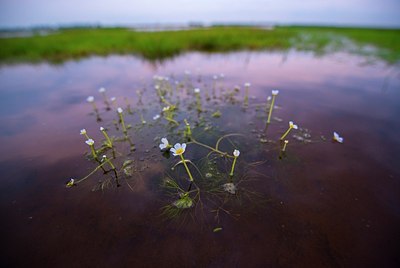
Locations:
(104, 157)
(275, 92)
(236, 153)
(119, 110)
(197, 90)
(165, 109)
(156, 117)
(102, 90)
(286, 141)
(156, 87)
(144, 122)
(178, 149)
(337, 138)
(269, 98)
(89, 142)
(292, 125)
(247, 84)
(90, 99)
(164, 143)
(113, 99)
(83, 131)
(102, 128)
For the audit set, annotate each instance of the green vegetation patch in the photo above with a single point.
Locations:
(82, 42)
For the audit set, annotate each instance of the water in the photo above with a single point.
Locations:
(324, 205)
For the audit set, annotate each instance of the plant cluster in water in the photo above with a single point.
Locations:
(208, 170)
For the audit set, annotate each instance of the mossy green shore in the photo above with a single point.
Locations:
(65, 44)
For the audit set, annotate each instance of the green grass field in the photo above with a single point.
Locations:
(82, 42)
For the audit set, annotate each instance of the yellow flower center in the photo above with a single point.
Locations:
(179, 151)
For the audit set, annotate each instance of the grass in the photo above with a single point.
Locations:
(82, 42)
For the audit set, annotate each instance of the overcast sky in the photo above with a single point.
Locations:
(22, 13)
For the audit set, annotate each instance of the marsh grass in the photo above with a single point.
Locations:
(77, 43)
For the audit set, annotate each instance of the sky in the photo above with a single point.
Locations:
(28, 13)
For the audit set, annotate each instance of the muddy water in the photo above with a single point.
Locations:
(324, 205)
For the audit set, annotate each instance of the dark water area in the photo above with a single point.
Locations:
(324, 204)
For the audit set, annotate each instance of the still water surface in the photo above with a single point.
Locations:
(325, 205)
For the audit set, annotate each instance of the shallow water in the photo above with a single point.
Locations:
(324, 205)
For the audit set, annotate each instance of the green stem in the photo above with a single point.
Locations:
(233, 166)
(270, 109)
(285, 134)
(87, 176)
(121, 118)
(172, 120)
(211, 148)
(284, 147)
(93, 152)
(109, 142)
(187, 168)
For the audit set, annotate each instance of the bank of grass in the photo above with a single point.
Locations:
(81, 42)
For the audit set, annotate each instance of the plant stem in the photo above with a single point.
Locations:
(233, 166)
(187, 168)
(285, 134)
(270, 109)
(211, 148)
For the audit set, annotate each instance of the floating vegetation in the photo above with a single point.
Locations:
(206, 177)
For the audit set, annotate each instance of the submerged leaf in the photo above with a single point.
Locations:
(183, 202)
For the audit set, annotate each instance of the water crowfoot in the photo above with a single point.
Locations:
(337, 138)
(179, 149)
(291, 125)
(236, 154)
(274, 94)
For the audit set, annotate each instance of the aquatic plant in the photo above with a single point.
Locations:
(274, 94)
(337, 138)
(108, 140)
(121, 120)
(164, 144)
(236, 154)
(291, 125)
(211, 177)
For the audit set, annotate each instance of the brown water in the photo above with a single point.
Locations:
(324, 205)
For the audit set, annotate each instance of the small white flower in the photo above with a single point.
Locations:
(83, 131)
(269, 98)
(275, 92)
(165, 109)
(337, 138)
(178, 149)
(164, 143)
(102, 90)
(222, 75)
(236, 153)
(113, 99)
(215, 77)
(102, 128)
(119, 110)
(104, 157)
(157, 116)
(292, 125)
(286, 141)
(89, 142)
(197, 90)
(144, 122)
(247, 84)
(156, 87)
(90, 99)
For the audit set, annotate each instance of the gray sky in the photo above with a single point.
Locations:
(22, 13)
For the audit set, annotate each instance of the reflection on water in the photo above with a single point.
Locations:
(326, 204)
